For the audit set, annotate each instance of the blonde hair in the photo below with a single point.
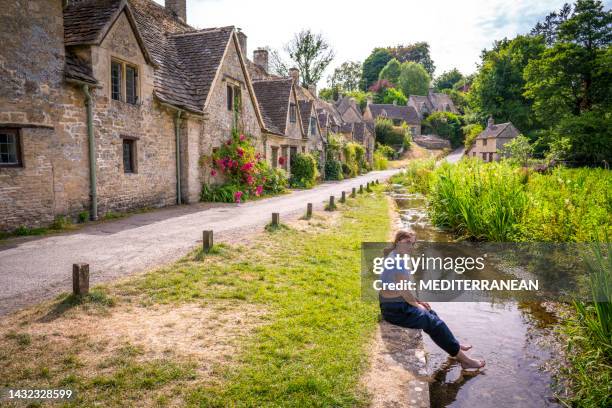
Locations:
(399, 236)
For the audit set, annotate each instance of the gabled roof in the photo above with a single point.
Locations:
(306, 112)
(274, 96)
(186, 60)
(501, 130)
(406, 113)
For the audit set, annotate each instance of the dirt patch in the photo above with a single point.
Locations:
(319, 221)
(204, 334)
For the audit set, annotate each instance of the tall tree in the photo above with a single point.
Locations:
(391, 71)
(372, 66)
(414, 79)
(574, 76)
(417, 52)
(548, 28)
(447, 80)
(499, 84)
(347, 77)
(310, 52)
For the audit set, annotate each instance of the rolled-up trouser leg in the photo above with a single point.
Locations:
(439, 332)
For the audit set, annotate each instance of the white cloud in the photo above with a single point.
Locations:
(457, 31)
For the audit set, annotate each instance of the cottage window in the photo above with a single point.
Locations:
(129, 156)
(313, 126)
(274, 157)
(490, 156)
(484, 142)
(124, 82)
(484, 156)
(234, 98)
(292, 113)
(10, 148)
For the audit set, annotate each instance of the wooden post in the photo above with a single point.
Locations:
(275, 219)
(332, 205)
(207, 240)
(80, 279)
(308, 211)
(354, 193)
(361, 189)
(343, 197)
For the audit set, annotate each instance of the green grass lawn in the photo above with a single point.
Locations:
(310, 348)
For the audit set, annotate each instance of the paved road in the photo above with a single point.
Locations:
(455, 155)
(36, 269)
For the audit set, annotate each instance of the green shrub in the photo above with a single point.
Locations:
(388, 134)
(83, 216)
(380, 161)
(386, 151)
(60, 223)
(417, 176)
(223, 193)
(470, 132)
(333, 170)
(303, 171)
(275, 180)
(446, 125)
(350, 167)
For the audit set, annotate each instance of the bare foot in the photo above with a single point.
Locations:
(469, 363)
(465, 347)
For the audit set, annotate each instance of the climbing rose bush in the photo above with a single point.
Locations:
(247, 173)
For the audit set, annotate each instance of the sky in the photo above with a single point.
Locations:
(456, 30)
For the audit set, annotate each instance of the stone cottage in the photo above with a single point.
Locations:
(284, 136)
(491, 140)
(430, 103)
(110, 105)
(398, 114)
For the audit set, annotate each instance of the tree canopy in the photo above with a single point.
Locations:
(372, 66)
(413, 79)
(417, 52)
(391, 71)
(347, 77)
(447, 80)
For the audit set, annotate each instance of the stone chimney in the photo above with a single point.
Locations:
(179, 8)
(490, 122)
(295, 74)
(313, 89)
(260, 58)
(242, 40)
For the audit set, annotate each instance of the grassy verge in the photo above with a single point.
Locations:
(307, 348)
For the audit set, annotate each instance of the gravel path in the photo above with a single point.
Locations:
(35, 269)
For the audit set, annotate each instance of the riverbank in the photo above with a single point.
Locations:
(277, 320)
(498, 202)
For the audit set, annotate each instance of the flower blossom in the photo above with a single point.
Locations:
(237, 196)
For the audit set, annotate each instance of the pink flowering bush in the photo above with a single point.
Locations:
(247, 174)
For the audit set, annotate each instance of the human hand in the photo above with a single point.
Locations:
(424, 305)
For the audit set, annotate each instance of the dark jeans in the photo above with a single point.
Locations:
(405, 315)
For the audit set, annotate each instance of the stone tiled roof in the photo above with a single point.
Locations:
(305, 111)
(346, 128)
(501, 130)
(273, 96)
(359, 131)
(85, 21)
(442, 102)
(78, 70)
(406, 113)
(186, 60)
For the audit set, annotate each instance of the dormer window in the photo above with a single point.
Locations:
(124, 82)
(292, 113)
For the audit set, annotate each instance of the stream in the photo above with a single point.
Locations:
(514, 338)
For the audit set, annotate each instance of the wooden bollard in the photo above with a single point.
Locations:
(80, 279)
(275, 219)
(207, 240)
(343, 197)
(308, 211)
(361, 189)
(332, 205)
(354, 192)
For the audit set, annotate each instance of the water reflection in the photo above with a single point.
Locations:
(511, 336)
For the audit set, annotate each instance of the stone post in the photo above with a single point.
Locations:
(343, 197)
(80, 279)
(207, 240)
(275, 219)
(308, 211)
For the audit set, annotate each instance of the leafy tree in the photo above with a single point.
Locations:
(379, 88)
(391, 71)
(548, 28)
(372, 66)
(459, 99)
(447, 80)
(392, 95)
(360, 97)
(417, 52)
(330, 94)
(446, 125)
(588, 137)
(573, 76)
(518, 150)
(414, 79)
(389, 134)
(499, 84)
(310, 52)
(347, 77)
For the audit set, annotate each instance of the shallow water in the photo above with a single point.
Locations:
(511, 337)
